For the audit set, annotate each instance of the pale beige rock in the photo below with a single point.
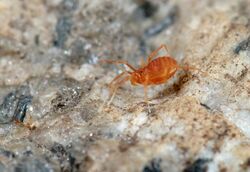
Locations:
(197, 119)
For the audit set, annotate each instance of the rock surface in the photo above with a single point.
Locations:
(50, 78)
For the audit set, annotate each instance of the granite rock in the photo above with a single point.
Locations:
(50, 77)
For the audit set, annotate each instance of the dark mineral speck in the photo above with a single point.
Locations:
(8, 107)
(66, 98)
(58, 150)
(7, 153)
(153, 166)
(205, 106)
(64, 22)
(243, 46)
(63, 28)
(21, 109)
(199, 165)
(146, 8)
(65, 157)
(15, 105)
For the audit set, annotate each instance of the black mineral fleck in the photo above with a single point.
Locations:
(243, 46)
(65, 158)
(63, 28)
(153, 166)
(21, 109)
(58, 150)
(66, 99)
(64, 22)
(146, 9)
(15, 104)
(205, 106)
(7, 153)
(8, 107)
(199, 165)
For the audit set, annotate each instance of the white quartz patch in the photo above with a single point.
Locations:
(240, 118)
(80, 73)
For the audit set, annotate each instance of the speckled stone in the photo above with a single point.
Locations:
(197, 121)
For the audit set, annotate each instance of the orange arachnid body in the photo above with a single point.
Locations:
(154, 72)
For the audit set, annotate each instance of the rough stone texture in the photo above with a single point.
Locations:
(50, 77)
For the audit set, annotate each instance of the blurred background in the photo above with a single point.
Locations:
(50, 79)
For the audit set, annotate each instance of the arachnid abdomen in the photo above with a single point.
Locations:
(157, 71)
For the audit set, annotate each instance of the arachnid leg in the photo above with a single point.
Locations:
(118, 62)
(154, 53)
(115, 85)
(115, 79)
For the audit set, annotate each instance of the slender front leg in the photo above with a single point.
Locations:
(113, 86)
(112, 96)
(118, 62)
(154, 53)
(116, 85)
(115, 79)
